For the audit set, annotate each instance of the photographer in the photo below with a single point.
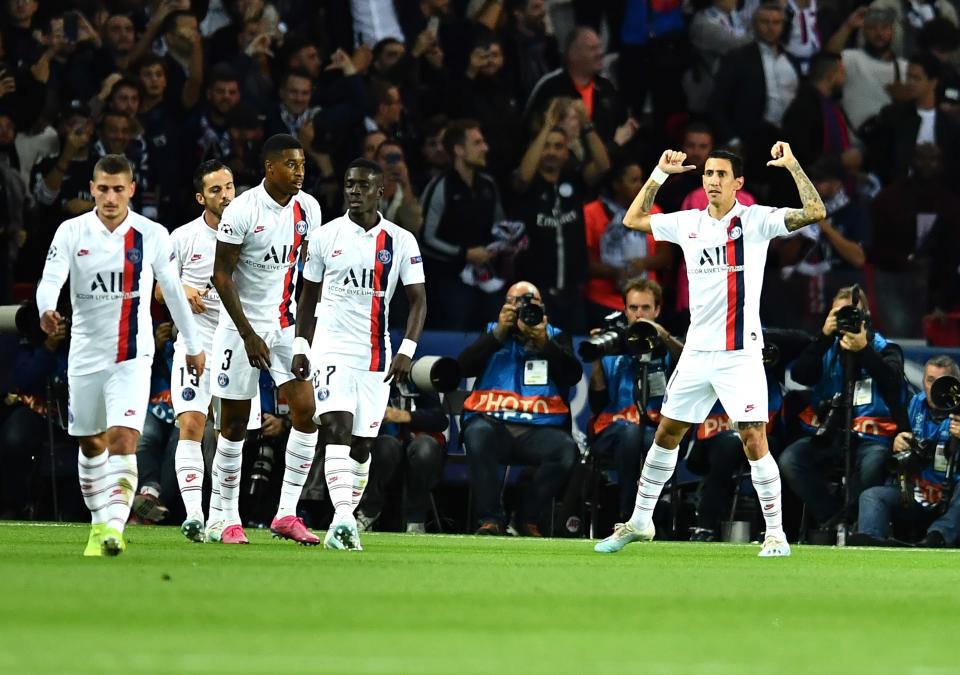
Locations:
(928, 496)
(614, 395)
(410, 442)
(519, 409)
(878, 409)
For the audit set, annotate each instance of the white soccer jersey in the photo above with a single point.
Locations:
(725, 260)
(111, 284)
(195, 245)
(359, 271)
(269, 236)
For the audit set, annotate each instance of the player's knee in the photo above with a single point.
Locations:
(302, 420)
(122, 441)
(92, 446)
(191, 426)
(234, 429)
(336, 433)
(668, 437)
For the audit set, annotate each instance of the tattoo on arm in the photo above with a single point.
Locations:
(649, 194)
(813, 210)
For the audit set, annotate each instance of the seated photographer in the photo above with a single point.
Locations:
(410, 442)
(926, 493)
(878, 407)
(519, 409)
(615, 396)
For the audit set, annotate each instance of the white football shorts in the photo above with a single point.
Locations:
(737, 378)
(362, 393)
(117, 396)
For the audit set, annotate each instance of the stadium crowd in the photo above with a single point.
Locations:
(513, 135)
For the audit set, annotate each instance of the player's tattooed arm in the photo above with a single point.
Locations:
(813, 210)
(638, 215)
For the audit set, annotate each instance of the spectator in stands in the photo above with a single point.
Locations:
(372, 141)
(434, 159)
(15, 201)
(802, 37)
(39, 370)
(399, 203)
(819, 260)
(411, 445)
(293, 109)
(157, 447)
(20, 20)
(461, 208)
(245, 135)
(814, 123)
(529, 51)
(118, 36)
(941, 38)
(518, 411)
(549, 201)
(911, 17)
(901, 127)
(879, 411)
(616, 430)
(588, 155)
(876, 75)
(161, 118)
(934, 502)
(714, 31)
(616, 255)
(116, 135)
(184, 58)
(207, 131)
(581, 78)
(387, 110)
(914, 244)
(753, 89)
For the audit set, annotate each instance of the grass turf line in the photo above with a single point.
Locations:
(463, 605)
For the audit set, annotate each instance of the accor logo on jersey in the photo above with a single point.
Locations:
(365, 280)
(283, 255)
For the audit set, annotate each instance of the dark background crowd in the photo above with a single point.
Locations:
(513, 135)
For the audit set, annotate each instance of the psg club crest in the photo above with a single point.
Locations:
(222, 379)
(134, 255)
(301, 227)
(735, 232)
(384, 256)
(323, 394)
(189, 394)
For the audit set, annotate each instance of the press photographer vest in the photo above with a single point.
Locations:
(929, 484)
(718, 422)
(621, 373)
(872, 419)
(509, 391)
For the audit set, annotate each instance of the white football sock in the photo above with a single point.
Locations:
(301, 449)
(657, 469)
(215, 509)
(228, 460)
(122, 482)
(337, 467)
(766, 481)
(93, 484)
(189, 464)
(361, 472)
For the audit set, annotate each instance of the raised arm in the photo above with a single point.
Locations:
(813, 210)
(638, 215)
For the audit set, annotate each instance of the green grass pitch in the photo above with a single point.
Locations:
(462, 605)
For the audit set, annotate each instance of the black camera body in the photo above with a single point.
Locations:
(528, 310)
(618, 337)
(831, 416)
(850, 319)
(912, 460)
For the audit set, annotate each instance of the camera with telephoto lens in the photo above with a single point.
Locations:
(528, 310)
(617, 336)
(431, 374)
(850, 317)
(912, 460)
(262, 471)
(945, 394)
(830, 415)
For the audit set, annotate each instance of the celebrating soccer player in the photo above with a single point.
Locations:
(261, 236)
(112, 256)
(725, 249)
(195, 246)
(358, 258)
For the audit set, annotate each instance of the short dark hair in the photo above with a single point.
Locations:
(147, 60)
(222, 72)
(573, 37)
(389, 141)
(383, 44)
(619, 166)
(821, 65)
(379, 93)
(645, 286)
(205, 169)
(456, 133)
(736, 161)
(931, 65)
(361, 163)
(113, 165)
(435, 125)
(128, 83)
(699, 127)
(939, 34)
(295, 72)
(112, 113)
(277, 143)
(170, 22)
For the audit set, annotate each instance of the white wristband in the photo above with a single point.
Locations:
(300, 346)
(407, 348)
(658, 175)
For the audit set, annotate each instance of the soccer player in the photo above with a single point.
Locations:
(261, 236)
(725, 249)
(358, 258)
(112, 255)
(195, 246)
